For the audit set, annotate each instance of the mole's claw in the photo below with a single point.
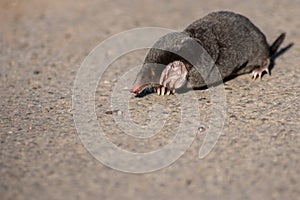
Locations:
(254, 76)
(158, 91)
(163, 90)
(168, 92)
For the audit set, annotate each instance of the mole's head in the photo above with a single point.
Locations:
(165, 79)
(165, 68)
(148, 77)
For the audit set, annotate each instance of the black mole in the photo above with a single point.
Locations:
(233, 42)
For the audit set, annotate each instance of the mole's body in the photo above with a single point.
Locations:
(234, 45)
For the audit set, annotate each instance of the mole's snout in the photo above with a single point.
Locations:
(135, 90)
(138, 88)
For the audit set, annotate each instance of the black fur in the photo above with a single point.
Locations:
(234, 43)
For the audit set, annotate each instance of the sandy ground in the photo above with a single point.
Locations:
(42, 45)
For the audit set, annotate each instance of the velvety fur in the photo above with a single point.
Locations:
(233, 42)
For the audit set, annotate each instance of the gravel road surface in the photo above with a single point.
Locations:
(42, 45)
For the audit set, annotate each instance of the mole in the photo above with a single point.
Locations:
(234, 44)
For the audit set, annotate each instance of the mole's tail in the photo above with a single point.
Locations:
(274, 47)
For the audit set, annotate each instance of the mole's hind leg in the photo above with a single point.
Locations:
(259, 71)
(172, 77)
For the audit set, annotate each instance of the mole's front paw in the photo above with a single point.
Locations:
(174, 75)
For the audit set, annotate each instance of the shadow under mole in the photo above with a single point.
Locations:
(279, 53)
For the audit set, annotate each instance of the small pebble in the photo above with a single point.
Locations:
(201, 128)
(119, 112)
(36, 71)
(188, 182)
(109, 112)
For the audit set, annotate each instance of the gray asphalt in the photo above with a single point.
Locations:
(42, 45)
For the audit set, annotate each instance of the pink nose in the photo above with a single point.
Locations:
(135, 90)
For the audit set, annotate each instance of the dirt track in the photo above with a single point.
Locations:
(42, 157)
